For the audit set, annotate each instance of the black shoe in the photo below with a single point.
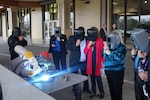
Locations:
(101, 95)
(73, 92)
(92, 95)
(87, 91)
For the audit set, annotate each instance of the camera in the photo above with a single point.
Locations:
(140, 39)
(113, 40)
(91, 34)
(79, 34)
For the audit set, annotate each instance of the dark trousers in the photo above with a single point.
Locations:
(58, 58)
(115, 82)
(82, 67)
(99, 83)
(1, 93)
(138, 85)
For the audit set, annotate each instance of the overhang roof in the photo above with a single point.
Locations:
(22, 3)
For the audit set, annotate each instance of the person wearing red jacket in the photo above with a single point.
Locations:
(93, 50)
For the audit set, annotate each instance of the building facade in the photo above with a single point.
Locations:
(39, 19)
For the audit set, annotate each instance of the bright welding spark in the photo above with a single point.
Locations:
(60, 73)
(45, 77)
(72, 69)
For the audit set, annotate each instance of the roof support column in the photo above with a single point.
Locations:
(103, 12)
(12, 18)
(4, 25)
(64, 16)
(36, 23)
(109, 15)
(9, 11)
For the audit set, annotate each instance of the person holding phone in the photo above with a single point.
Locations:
(114, 56)
(58, 49)
(93, 51)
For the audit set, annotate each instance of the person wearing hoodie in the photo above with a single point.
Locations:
(16, 38)
(78, 61)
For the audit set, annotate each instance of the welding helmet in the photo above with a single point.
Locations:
(16, 32)
(57, 31)
(113, 40)
(140, 39)
(79, 34)
(91, 34)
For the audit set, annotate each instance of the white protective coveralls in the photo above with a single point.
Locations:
(26, 64)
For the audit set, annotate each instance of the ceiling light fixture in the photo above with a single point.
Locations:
(1, 7)
(145, 1)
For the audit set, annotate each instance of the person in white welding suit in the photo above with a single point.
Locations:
(26, 64)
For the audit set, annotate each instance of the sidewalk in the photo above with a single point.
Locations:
(40, 42)
(66, 94)
(128, 87)
(45, 43)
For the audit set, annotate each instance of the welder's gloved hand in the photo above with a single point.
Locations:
(29, 73)
(33, 62)
(20, 49)
(44, 62)
(30, 56)
(32, 73)
(34, 68)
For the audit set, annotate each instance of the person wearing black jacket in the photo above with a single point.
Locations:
(145, 74)
(103, 32)
(17, 38)
(76, 44)
(57, 47)
(139, 60)
(140, 55)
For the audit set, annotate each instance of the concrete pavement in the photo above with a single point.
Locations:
(66, 94)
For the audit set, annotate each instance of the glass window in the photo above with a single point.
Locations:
(137, 13)
(118, 13)
(51, 11)
(145, 19)
(24, 20)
